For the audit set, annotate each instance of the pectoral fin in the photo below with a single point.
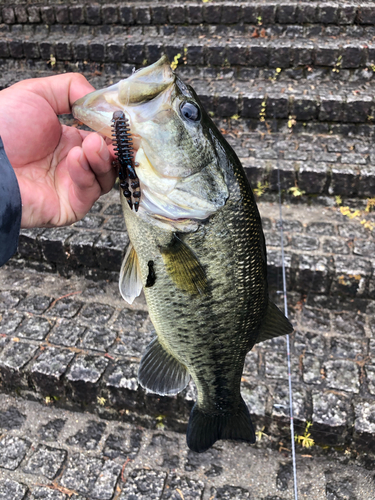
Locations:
(274, 324)
(130, 283)
(161, 372)
(184, 268)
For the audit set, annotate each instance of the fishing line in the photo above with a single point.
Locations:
(287, 341)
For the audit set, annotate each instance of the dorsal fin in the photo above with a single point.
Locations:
(184, 268)
(274, 324)
(130, 283)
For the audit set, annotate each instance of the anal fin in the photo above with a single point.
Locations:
(160, 372)
(184, 268)
(274, 324)
(130, 283)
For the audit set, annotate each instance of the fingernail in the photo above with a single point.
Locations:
(83, 162)
(103, 151)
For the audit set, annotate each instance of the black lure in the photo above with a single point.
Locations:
(123, 143)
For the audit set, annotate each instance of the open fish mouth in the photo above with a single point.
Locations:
(174, 158)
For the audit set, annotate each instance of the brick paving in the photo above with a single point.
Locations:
(54, 454)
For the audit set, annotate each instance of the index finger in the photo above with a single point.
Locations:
(60, 91)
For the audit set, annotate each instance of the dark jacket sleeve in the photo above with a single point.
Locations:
(10, 208)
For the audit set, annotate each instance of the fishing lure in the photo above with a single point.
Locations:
(123, 147)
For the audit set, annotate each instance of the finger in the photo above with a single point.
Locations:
(100, 160)
(60, 91)
(84, 189)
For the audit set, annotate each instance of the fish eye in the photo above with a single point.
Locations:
(190, 111)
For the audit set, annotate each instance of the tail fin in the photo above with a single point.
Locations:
(204, 429)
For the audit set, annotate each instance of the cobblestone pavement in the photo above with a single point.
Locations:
(53, 454)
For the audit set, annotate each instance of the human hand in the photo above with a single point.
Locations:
(61, 171)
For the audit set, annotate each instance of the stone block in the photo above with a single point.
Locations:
(135, 53)
(277, 106)
(195, 55)
(194, 14)
(312, 177)
(12, 451)
(87, 369)
(81, 246)
(366, 14)
(144, 484)
(226, 105)
(48, 369)
(343, 375)
(89, 437)
(250, 14)
(12, 489)
(287, 14)
(54, 244)
(81, 473)
(305, 108)
(104, 486)
(302, 53)
(281, 402)
(306, 14)
(47, 13)
(96, 50)
(142, 15)
(154, 51)
(21, 14)
(366, 185)
(253, 104)
(34, 14)
(159, 14)
(62, 14)
(344, 181)
(16, 48)
(304, 243)
(35, 328)
(331, 108)
(93, 14)
(357, 109)
(4, 49)
(47, 493)
(46, 461)
(126, 15)
(326, 55)
(287, 176)
(258, 55)
(66, 333)
(267, 13)
(123, 375)
(9, 322)
(11, 418)
(176, 14)
(214, 55)
(101, 312)
(77, 14)
(212, 13)
(347, 14)
(51, 430)
(123, 443)
(110, 14)
(327, 13)
(63, 50)
(237, 55)
(331, 416)
(47, 49)
(98, 339)
(8, 15)
(280, 55)
(364, 424)
(231, 14)
(189, 488)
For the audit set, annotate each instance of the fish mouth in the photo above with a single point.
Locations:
(96, 109)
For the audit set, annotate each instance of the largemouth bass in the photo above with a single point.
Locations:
(197, 249)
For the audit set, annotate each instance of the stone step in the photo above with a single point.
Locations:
(74, 343)
(141, 46)
(312, 104)
(325, 15)
(326, 251)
